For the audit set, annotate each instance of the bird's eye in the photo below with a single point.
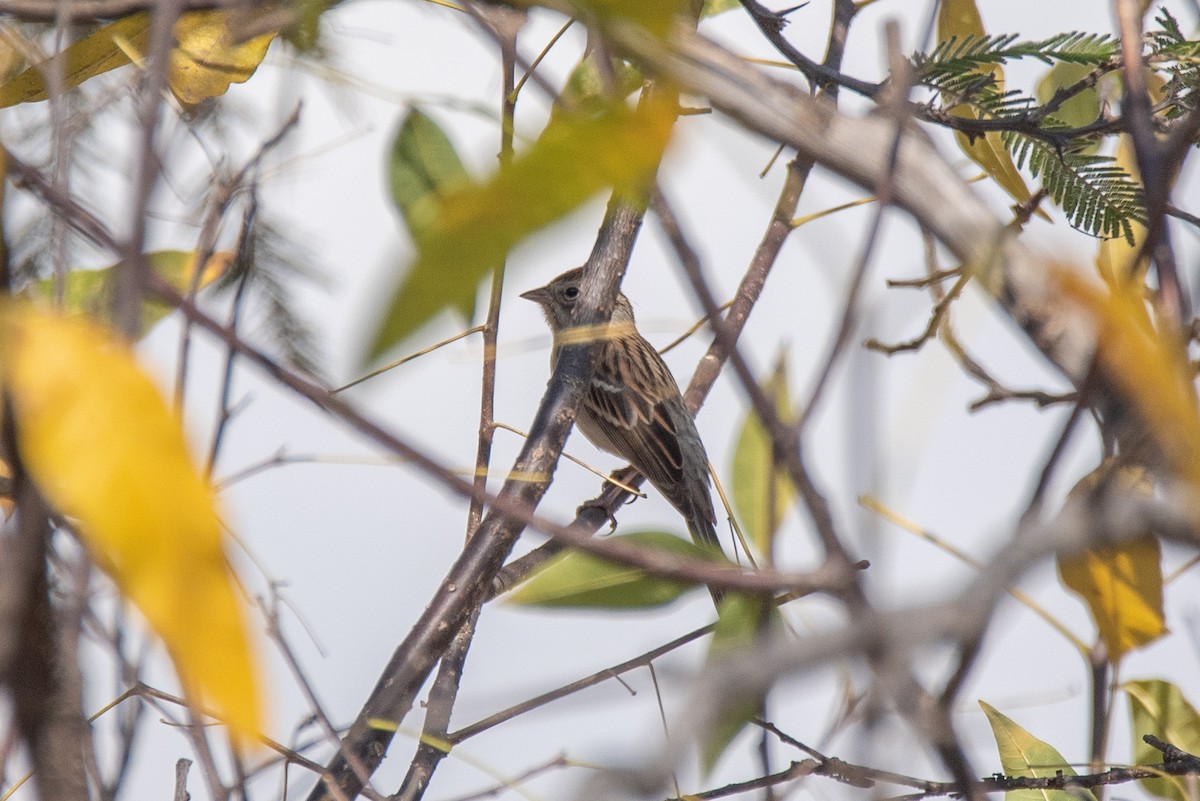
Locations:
(571, 292)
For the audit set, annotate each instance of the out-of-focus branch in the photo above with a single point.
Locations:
(96, 10)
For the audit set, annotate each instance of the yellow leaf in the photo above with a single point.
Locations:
(1121, 584)
(1116, 258)
(97, 53)
(104, 449)
(209, 55)
(960, 19)
(1150, 367)
(207, 59)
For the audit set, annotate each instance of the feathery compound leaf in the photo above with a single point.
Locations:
(1179, 57)
(105, 449)
(976, 50)
(1096, 194)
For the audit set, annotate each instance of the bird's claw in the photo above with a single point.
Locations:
(612, 521)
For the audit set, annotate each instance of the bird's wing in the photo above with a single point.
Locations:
(630, 399)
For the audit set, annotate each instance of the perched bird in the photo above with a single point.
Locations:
(633, 407)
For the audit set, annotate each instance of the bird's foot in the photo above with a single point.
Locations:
(602, 509)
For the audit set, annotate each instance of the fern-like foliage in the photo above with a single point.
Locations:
(972, 53)
(960, 70)
(1098, 197)
(982, 91)
(1178, 58)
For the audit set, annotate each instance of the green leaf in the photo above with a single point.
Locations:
(1159, 708)
(762, 492)
(87, 291)
(1022, 754)
(474, 227)
(742, 620)
(576, 579)
(424, 169)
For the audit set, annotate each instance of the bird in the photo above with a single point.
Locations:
(633, 407)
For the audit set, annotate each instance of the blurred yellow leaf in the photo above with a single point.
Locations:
(13, 48)
(1150, 366)
(477, 223)
(1123, 588)
(1159, 708)
(1115, 261)
(86, 291)
(94, 54)
(209, 54)
(1023, 755)
(960, 19)
(104, 449)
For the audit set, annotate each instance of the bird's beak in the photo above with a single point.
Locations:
(539, 295)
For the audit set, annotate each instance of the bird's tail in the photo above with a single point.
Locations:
(701, 523)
